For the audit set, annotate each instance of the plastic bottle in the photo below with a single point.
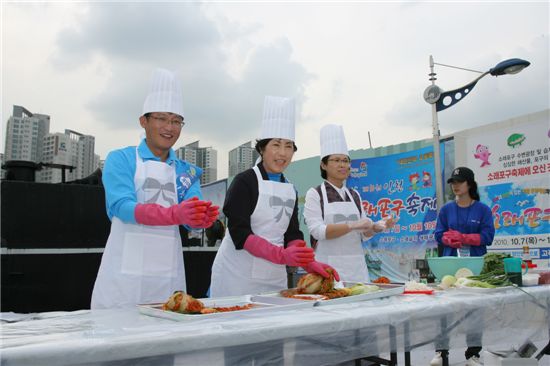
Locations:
(526, 256)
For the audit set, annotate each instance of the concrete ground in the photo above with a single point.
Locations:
(422, 357)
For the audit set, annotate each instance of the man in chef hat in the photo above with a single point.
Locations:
(149, 192)
(334, 213)
(262, 212)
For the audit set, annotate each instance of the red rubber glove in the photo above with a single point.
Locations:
(471, 239)
(191, 212)
(321, 268)
(297, 255)
(453, 239)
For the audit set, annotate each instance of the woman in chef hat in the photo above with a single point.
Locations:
(334, 213)
(263, 234)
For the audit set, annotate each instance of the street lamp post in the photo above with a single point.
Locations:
(441, 100)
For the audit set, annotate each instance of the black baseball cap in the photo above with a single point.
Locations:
(461, 174)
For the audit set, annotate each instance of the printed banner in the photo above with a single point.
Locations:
(401, 185)
(512, 168)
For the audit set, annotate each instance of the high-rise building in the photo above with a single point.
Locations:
(85, 157)
(241, 158)
(188, 152)
(71, 151)
(98, 163)
(208, 157)
(24, 133)
(59, 152)
(2, 171)
(203, 157)
(28, 139)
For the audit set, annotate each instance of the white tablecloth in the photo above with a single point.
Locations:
(310, 336)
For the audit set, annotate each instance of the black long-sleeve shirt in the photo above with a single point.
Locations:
(240, 202)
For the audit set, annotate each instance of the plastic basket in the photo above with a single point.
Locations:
(442, 266)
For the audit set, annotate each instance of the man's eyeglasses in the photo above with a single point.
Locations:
(165, 121)
(341, 161)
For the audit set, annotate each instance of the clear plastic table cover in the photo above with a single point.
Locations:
(308, 336)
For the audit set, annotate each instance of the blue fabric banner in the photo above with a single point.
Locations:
(401, 185)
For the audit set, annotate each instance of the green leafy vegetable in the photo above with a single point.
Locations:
(493, 263)
(476, 283)
(493, 278)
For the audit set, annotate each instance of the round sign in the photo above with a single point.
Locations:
(432, 94)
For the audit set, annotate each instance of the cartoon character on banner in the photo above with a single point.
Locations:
(482, 153)
(414, 179)
(426, 179)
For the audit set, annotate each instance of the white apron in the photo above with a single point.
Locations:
(345, 253)
(142, 264)
(237, 272)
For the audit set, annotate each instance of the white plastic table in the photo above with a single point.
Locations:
(310, 336)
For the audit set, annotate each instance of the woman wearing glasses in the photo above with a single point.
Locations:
(334, 213)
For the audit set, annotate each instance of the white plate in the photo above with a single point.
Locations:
(259, 307)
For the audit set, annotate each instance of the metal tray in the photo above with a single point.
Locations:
(385, 291)
(267, 305)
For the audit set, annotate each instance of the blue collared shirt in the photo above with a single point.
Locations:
(118, 180)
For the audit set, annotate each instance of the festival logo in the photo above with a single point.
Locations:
(515, 139)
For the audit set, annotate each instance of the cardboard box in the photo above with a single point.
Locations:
(490, 359)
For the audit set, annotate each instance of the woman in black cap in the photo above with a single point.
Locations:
(465, 226)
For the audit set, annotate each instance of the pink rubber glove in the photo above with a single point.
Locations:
(471, 239)
(294, 242)
(210, 217)
(321, 268)
(190, 212)
(297, 255)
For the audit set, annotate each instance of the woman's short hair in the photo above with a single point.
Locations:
(323, 171)
(261, 144)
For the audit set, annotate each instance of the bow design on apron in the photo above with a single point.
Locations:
(338, 218)
(286, 206)
(151, 184)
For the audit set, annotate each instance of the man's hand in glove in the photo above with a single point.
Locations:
(212, 213)
(190, 212)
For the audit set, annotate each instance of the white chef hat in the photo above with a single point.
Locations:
(278, 118)
(333, 141)
(165, 93)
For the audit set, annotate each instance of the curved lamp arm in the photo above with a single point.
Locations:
(457, 94)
